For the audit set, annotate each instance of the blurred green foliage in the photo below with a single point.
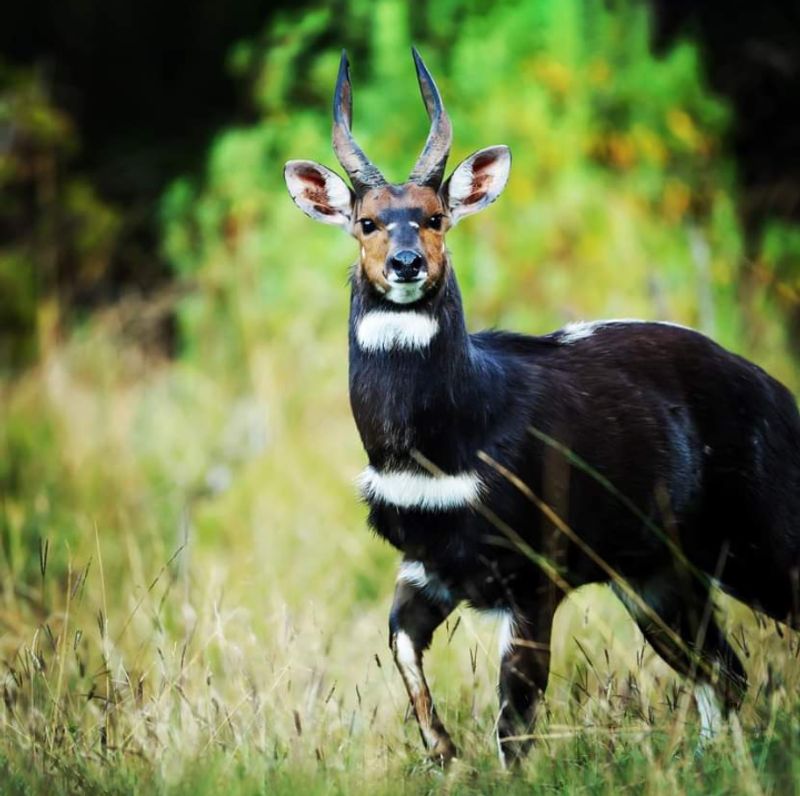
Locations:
(621, 202)
(234, 596)
(57, 232)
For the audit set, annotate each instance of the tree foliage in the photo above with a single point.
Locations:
(621, 201)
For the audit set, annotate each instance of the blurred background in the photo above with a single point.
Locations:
(175, 436)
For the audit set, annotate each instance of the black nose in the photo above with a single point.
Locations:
(406, 265)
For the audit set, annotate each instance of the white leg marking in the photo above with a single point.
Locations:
(710, 712)
(501, 752)
(410, 668)
(415, 574)
(408, 662)
(408, 490)
(387, 331)
(506, 634)
(579, 330)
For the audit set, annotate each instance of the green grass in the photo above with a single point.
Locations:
(247, 650)
(190, 601)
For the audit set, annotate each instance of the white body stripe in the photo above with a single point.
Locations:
(582, 329)
(410, 490)
(386, 331)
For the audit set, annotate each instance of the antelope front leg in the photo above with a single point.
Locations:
(420, 605)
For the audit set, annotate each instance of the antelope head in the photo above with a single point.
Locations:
(400, 228)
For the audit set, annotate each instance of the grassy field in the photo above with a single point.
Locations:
(228, 631)
(190, 601)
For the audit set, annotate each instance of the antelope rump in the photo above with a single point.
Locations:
(509, 469)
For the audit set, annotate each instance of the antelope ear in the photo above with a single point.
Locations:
(319, 192)
(477, 181)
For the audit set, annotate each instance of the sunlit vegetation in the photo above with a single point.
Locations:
(189, 598)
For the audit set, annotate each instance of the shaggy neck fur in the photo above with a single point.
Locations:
(417, 381)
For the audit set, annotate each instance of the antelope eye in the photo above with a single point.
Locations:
(435, 222)
(367, 225)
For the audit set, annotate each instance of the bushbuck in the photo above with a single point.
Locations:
(510, 469)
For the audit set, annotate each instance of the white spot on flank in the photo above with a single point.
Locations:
(410, 490)
(387, 331)
(413, 224)
(415, 574)
(579, 330)
(710, 713)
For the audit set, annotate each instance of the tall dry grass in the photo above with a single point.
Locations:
(229, 631)
(189, 599)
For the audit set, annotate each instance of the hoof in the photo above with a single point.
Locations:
(444, 752)
(512, 752)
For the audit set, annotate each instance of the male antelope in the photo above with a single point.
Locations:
(510, 469)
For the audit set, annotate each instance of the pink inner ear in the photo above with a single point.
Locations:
(483, 161)
(311, 175)
(318, 196)
(480, 177)
(479, 185)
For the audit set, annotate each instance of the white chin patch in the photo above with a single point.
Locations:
(405, 292)
(389, 331)
(412, 490)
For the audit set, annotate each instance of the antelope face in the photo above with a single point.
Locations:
(400, 228)
(401, 232)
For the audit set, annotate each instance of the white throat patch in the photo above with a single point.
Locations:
(386, 331)
(410, 490)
